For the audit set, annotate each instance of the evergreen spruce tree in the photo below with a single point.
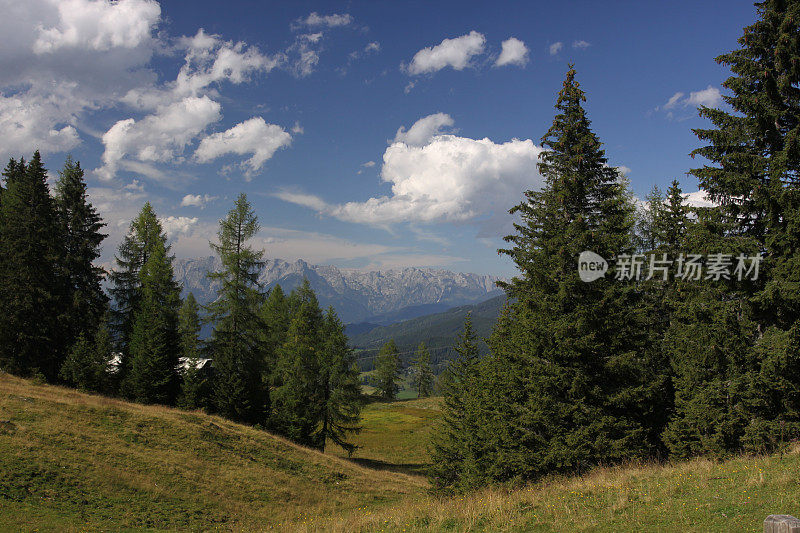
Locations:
(422, 374)
(154, 343)
(708, 343)
(236, 344)
(458, 455)
(276, 314)
(14, 171)
(81, 237)
(86, 366)
(298, 403)
(341, 390)
(32, 294)
(674, 221)
(387, 371)
(668, 220)
(753, 175)
(576, 349)
(195, 382)
(145, 234)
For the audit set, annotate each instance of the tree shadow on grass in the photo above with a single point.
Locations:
(414, 469)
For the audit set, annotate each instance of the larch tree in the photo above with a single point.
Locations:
(236, 343)
(647, 234)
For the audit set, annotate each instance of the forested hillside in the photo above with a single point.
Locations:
(438, 331)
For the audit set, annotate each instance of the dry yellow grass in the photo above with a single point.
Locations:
(72, 461)
(699, 495)
(76, 462)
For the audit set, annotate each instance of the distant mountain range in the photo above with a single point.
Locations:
(377, 297)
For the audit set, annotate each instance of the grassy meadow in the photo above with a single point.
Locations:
(76, 462)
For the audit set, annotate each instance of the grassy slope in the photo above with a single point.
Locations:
(71, 461)
(696, 496)
(395, 435)
(67, 459)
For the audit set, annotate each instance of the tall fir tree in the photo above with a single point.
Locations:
(236, 343)
(297, 401)
(144, 235)
(276, 314)
(754, 176)
(422, 378)
(14, 171)
(707, 343)
(674, 221)
(341, 390)
(574, 350)
(387, 371)
(457, 457)
(32, 290)
(659, 296)
(154, 343)
(81, 237)
(589, 387)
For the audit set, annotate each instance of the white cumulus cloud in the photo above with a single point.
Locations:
(580, 45)
(709, 97)
(197, 200)
(555, 48)
(455, 53)
(61, 59)
(253, 136)
(174, 226)
(159, 137)
(514, 53)
(181, 109)
(36, 121)
(209, 60)
(98, 25)
(446, 179)
(423, 130)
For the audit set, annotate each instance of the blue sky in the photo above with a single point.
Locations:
(366, 134)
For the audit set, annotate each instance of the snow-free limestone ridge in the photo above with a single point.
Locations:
(380, 296)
